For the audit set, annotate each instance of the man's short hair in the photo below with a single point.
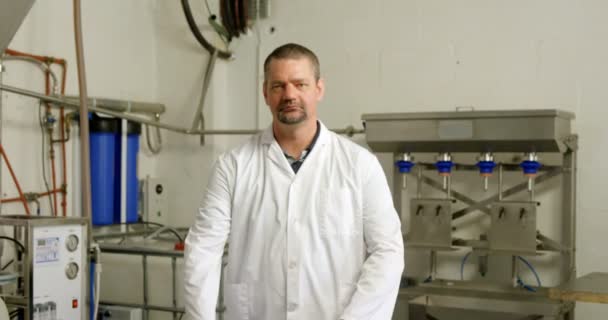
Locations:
(293, 51)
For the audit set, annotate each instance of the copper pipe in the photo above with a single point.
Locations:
(43, 194)
(46, 59)
(54, 177)
(51, 148)
(64, 140)
(63, 64)
(40, 195)
(17, 199)
(10, 169)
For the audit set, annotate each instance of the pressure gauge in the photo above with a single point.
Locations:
(72, 243)
(71, 270)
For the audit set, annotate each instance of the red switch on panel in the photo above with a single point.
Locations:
(74, 303)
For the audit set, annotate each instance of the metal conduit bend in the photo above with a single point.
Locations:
(199, 36)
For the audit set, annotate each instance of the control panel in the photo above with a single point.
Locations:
(59, 272)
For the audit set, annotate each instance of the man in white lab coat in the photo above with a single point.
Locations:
(308, 216)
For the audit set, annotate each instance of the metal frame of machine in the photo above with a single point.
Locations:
(144, 241)
(513, 230)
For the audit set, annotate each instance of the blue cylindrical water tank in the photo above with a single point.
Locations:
(102, 139)
(133, 133)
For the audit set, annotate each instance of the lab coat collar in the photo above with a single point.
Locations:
(268, 135)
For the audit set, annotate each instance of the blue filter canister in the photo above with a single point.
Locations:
(102, 142)
(133, 133)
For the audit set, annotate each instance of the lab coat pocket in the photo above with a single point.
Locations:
(341, 215)
(236, 300)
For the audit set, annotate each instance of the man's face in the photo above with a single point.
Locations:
(291, 91)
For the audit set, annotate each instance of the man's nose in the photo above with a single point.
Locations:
(290, 92)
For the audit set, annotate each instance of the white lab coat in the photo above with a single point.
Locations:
(322, 244)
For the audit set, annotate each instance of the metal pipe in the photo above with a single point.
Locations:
(531, 188)
(448, 192)
(84, 120)
(122, 105)
(198, 115)
(550, 244)
(457, 195)
(70, 104)
(568, 271)
(145, 274)
(511, 191)
(120, 234)
(174, 291)
(514, 270)
(141, 306)
(45, 67)
(419, 183)
(159, 139)
(433, 265)
(500, 182)
(62, 102)
(136, 250)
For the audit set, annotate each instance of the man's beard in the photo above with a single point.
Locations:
(289, 118)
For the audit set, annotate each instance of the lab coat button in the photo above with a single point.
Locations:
(292, 265)
(292, 307)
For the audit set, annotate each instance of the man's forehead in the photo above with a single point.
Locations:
(302, 63)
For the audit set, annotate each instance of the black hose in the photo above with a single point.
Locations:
(15, 313)
(15, 241)
(197, 33)
(7, 264)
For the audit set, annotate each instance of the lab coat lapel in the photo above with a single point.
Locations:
(275, 154)
(314, 160)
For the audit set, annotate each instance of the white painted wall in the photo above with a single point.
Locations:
(376, 56)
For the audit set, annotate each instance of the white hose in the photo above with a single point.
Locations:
(97, 280)
(45, 67)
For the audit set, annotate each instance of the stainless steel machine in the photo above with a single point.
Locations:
(520, 209)
(51, 267)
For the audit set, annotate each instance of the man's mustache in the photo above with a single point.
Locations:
(285, 105)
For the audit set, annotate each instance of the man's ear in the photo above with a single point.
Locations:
(320, 89)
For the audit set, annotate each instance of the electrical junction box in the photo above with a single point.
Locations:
(154, 197)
